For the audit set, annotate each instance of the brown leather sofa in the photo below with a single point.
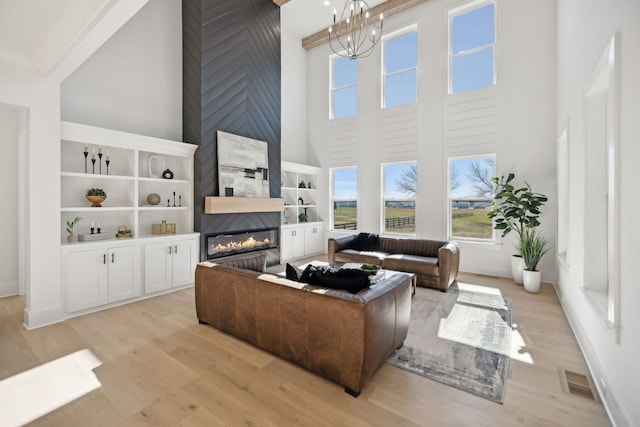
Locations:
(340, 336)
(435, 263)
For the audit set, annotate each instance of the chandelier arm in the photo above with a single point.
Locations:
(342, 46)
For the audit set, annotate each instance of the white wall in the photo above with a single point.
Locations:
(525, 97)
(584, 30)
(9, 128)
(294, 96)
(133, 83)
(41, 99)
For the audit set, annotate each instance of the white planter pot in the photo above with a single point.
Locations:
(517, 265)
(531, 281)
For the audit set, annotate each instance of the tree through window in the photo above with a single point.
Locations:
(470, 195)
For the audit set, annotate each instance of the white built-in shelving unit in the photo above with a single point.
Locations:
(300, 238)
(100, 273)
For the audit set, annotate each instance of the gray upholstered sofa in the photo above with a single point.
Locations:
(435, 263)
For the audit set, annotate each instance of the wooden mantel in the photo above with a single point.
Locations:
(231, 205)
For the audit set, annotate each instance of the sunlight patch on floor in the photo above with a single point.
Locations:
(518, 345)
(31, 394)
(478, 288)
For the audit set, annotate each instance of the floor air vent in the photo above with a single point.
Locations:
(577, 384)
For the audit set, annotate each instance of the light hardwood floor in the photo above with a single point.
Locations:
(160, 367)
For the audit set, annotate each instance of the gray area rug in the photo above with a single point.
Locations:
(459, 338)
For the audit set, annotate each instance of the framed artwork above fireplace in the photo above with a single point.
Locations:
(243, 166)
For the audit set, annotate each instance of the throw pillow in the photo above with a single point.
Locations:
(293, 272)
(365, 242)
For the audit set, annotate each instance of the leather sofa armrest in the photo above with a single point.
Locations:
(336, 244)
(448, 264)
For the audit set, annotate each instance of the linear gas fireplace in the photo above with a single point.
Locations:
(227, 244)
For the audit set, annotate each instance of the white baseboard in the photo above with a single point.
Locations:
(9, 289)
(616, 414)
(41, 318)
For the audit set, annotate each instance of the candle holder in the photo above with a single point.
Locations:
(93, 165)
(92, 229)
(180, 200)
(168, 203)
(174, 199)
(107, 163)
(100, 162)
(99, 230)
(86, 154)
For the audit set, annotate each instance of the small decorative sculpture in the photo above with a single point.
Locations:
(301, 185)
(300, 201)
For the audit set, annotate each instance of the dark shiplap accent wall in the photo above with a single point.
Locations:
(231, 82)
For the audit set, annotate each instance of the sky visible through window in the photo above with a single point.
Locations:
(470, 30)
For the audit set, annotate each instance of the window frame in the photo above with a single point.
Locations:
(466, 8)
(383, 229)
(332, 180)
(449, 232)
(333, 89)
(383, 66)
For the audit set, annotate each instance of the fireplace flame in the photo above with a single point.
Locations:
(249, 243)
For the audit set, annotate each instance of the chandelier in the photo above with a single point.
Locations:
(350, 37)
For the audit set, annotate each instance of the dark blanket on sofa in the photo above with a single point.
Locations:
(351, 280)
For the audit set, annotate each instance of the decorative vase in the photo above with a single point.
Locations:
(72, 238)
(517, 266)
(153, 199)
(96, 200)
(531, 281)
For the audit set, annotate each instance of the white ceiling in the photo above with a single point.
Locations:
(306, 17)
(34, 34)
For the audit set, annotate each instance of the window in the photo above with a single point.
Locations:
(470, 197)
(400, 66)
(472, 39)
(400, 182)
(344, 90)
(345, 198)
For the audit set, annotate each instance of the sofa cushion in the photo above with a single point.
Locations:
(367, 257)
(352, 281)
(420, 265)
(365, 242)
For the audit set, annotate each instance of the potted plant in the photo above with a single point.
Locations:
(71, 238)
(515, 209)
(533, 247)
(96, 196)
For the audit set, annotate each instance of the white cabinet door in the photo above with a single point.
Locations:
(86, 274)
(124, 273)
(157, 267)
(313, 239)
(184, 256)
(292, 243)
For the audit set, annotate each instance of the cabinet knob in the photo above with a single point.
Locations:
(170, 249)
(113, 259)
(104, 258)
(175, 249)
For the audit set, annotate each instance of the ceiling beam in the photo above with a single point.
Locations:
(388, 8)
(280, 2)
